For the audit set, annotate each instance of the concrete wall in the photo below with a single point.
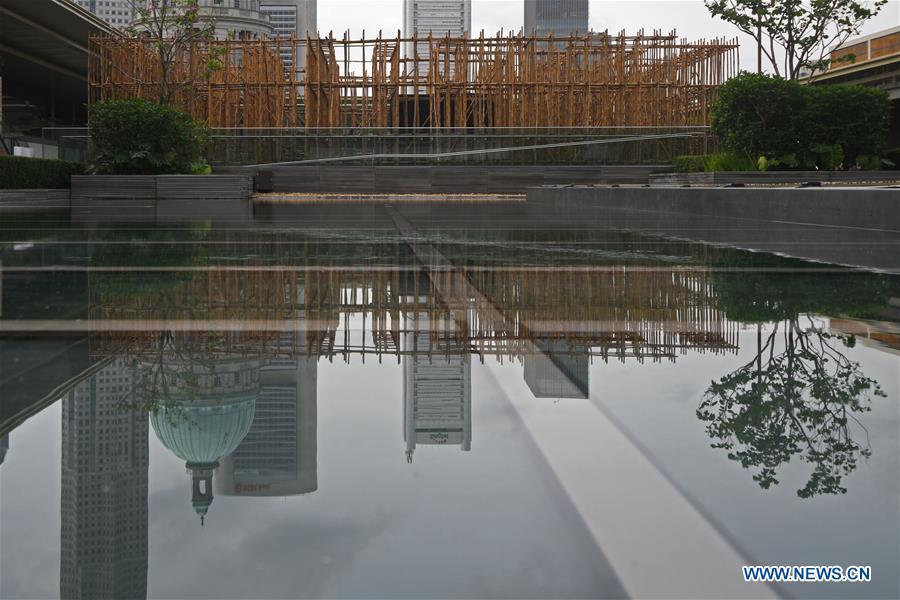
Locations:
(161, 198)
(28, 201)
(465, 179)
(872, 208)
(846, 226)
(775, 177)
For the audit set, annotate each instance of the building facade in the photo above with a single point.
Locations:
(105, 458)
(240, 19)
(292, 18)
(118, 13)
(438, 18)
(557, 17)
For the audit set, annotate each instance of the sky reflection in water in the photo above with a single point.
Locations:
(345, 415)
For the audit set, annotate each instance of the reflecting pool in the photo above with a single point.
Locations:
(380, 406)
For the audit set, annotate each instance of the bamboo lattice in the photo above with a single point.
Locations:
(433, 82)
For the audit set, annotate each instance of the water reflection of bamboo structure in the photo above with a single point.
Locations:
(654, 313)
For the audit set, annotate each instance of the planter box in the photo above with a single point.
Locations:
(160, 198)
(774, 177)
(28, 201)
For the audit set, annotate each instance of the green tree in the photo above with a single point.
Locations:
(818, 126)
(796, 34)
(172, 27)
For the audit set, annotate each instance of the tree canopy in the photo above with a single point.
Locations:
(795, 35)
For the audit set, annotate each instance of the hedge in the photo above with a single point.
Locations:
(801, 126)
(22, 173)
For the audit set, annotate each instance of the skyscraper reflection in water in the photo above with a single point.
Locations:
(558, 370)
(437, 386)
(278, 455)
(4, 447)
(104, 489)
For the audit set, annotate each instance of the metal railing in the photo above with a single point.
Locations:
(393, 146)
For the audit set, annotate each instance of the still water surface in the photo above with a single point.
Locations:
(277, 412)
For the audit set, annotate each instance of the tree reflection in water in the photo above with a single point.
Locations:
(798, 401)
(800, 395)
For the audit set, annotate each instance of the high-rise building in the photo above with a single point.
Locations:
(292, 17)
(437, 390)
(278, 455)
(104, 488)
(118, 13)
(558, 17)
(438, 18)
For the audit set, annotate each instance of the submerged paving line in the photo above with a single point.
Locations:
(657, 542)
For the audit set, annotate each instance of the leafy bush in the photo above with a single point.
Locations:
(758, 115)
(870, 162)
(22, 173)
(722, 161)
(728, 161)
(690, 163)
(891, 159)
(138, 137)
(854, 117)
(800, 126)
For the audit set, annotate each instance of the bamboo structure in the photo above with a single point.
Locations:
(248, 86)
(599, 80)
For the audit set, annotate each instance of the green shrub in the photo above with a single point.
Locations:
(869, 162)
(690, 163)
(728, 161)
(800, 126)
(722, 161)
(758, 115)
(854, 117)
(139, 137)
(890, 159)
(22, 173)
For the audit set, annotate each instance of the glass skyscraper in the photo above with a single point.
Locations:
(559, 17)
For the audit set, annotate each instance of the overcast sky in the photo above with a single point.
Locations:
(688, 17)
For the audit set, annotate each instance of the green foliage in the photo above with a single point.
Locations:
(722, 161)
(890, 159)
(868, 162)
(138, 137)
(854, 117)
(800, 126)
(690, 163)
(828, 157)
(728, 161)
(794, 35)
(23, 173)
(171, 27)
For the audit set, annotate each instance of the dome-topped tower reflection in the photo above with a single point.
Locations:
(206, 413)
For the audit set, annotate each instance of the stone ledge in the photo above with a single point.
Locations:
(27, 201)
(186, 187)
(774, 177)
